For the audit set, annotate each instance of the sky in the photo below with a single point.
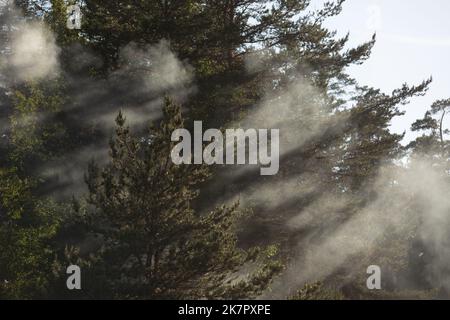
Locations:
(413, 43)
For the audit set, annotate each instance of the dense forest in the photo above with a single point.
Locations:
(86, 177)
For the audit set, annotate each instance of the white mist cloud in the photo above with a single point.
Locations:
(137, 87)
(339, 231)
(34, 53)
(157, 64)
(148, 73)
(411, 204)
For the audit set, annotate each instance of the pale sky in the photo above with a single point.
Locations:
(413, 43)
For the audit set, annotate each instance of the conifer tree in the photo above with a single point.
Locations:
(29, 219)
(433, 144)
(155, 244)
(28, 226)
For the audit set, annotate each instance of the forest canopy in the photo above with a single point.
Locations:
(87, 179)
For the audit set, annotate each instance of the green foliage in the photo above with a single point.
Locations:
(33, 132)
(155, 245)
(434, 144)
(27, 226)
(317, 291)
(29, 221)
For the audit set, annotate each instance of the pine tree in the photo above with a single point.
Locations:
(30, 220)
(434, 143)
(28, 226)
(155, 245)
